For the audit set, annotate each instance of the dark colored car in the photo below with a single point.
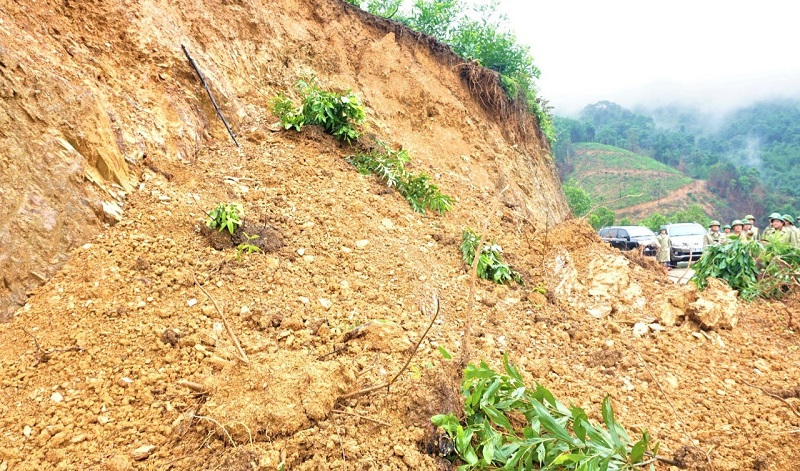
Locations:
(630, 237)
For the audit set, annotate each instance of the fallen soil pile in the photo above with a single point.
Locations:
(124, 358)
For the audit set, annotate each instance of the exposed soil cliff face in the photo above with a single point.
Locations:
(91, 88)
(101, 367)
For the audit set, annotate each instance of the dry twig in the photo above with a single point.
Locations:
(591, 210)
(389, 383)
(774, 396)
(242, 355)
(473, 275)
(337, 411)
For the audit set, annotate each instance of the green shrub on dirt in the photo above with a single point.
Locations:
(490, 263)
(338, 114)
(508, 425)
(389, 166)
(755, 270)
(226, 216)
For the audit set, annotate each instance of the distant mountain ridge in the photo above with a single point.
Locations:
(750, 158)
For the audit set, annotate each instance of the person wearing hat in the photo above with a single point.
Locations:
(776, 233)
(750, 227)
(726, 229)
(714, 236)
(664, 246)
(788, 225)
(738, 231)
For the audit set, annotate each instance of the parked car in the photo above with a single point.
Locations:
(630, 237)
(687, 241)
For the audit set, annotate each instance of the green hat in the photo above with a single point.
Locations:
(726, 226)
(716, 223)
(788, 218)
(775, 216)
(749, 216)
(737, 222)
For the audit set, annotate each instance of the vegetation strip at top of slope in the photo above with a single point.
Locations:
(486, 40)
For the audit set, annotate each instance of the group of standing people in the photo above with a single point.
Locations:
(782, 230)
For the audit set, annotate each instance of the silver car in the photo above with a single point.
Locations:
(687, 241)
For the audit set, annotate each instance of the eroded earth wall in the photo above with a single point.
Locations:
(91, 91)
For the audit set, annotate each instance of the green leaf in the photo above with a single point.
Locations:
(488, 453)
(550, 424)
(637, 452)
(445, 354)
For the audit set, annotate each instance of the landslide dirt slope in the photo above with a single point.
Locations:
(91, 88)
(93, 369)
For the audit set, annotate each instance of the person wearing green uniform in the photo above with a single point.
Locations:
(788, 225)
(726, 229)
(714, 236)
(738, 231)
(664, 245)
(776, 233)
(750, 227)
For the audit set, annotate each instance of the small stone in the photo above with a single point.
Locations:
(143, 452)
(362, 243)
(308, 258)
(27, 431)
(112, 212)
(326, 303)
(207, 310)
(56, 397)
(78, 438)
(303, 299)
(346, 249)
(398, 450)
(301, 252)
(640, 329)
(387, 223)
(124, 382)
(102, 419)
(244, 310)
(192, 302)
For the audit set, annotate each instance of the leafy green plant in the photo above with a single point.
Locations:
(226, 216)
(755, 270)
(246, 248)
(389, 165)
(338, 114)
(508, 425)
(490, 263)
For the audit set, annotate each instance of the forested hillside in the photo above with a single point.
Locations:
(749, 157)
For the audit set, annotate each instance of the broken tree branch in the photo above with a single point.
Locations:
(591, 210)
(774, 396)
(242, 355)
(337, 411)
(389, 383)
(208, 90)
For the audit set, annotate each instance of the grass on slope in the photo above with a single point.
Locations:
(608, 173)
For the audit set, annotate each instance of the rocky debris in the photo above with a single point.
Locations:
(717, 307)
(143, 452)
(612, 291)
(385, 336)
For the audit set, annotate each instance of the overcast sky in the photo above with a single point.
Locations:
(714, 54)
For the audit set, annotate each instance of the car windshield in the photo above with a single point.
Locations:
(640, 232)
(686, 230)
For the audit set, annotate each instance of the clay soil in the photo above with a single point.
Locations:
(121, 361)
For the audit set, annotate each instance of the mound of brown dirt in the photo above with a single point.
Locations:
(121, 361)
